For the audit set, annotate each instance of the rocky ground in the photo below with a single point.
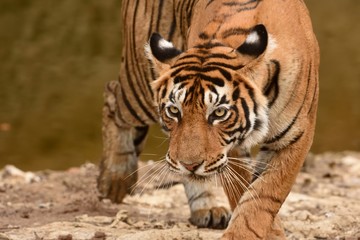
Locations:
(63, 205)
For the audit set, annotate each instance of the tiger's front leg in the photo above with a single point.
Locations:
(121, 146)
(205, 211)
(255, 217)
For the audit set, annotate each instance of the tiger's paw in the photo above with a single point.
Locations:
(114, 187)
(117, 181)
(216, 217)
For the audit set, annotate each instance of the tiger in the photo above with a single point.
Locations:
(220, 77)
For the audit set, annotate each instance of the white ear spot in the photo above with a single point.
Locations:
(252, 38)
(163, 44)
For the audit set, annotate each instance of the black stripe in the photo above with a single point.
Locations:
(223, 100)
(235, 3)
(160, 8)
(214, 80)
(205, 69)
(235, 31)
(182, 86)
(245, 108)
(295, 92)
(236, 94)
(250, 91)
(225, 73)
(117, 112)
(203, 36)
(181, 63)
(242, 6)
(180, 9)
(179, 79)
(163, 92)
(287, 129)
(150, 29)
(145, 8)
(273, 85)
(212, 88)
(283, 132)
(296, 138)
(226, 141)
(208, 45)
(235, 121)
(315, 91)
(141, 72)
(136, 95)
(224, 65)
(190, 8)
(313, 98)
(240, 129)
(172, 28)
(130, 108)
(258, 123)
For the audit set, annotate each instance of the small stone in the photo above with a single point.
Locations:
(45, 205)
(99, 236)
(65, 237)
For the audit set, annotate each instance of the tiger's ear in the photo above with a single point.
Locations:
(255, 43)
(161, 52)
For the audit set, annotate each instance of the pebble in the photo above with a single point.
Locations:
(12, 171)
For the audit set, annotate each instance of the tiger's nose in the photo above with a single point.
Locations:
(191, 166)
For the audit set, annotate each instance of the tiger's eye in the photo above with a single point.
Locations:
(220, 112)
(173, 110)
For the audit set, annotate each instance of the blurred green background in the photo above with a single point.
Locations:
(56, 56)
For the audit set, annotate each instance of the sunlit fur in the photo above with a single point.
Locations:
(252, 62)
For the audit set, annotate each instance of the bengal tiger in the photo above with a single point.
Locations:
(220, 76)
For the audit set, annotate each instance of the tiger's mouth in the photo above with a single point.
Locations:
(198, 171)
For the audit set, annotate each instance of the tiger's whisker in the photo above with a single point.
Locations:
(162, 180)
(147, 176)
(154, 165)
(154, 176)
(164, 141)
(163, 175)
(228, 186)
(241, 165)
(234, 187)
(254, 163)
(248, 189)
(244, 167)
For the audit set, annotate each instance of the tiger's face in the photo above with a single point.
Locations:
(207, 106)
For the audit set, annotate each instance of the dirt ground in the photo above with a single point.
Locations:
(63, 205)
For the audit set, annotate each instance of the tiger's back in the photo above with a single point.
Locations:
(262, 59)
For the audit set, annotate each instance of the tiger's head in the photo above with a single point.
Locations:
(207, 101)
